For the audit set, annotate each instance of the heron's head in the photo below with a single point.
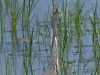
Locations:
(57, 14)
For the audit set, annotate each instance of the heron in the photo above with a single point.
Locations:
(53, 66)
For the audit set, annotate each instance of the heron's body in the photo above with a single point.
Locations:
(53, 67)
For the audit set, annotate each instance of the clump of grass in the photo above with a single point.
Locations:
(72, 22)
(14, 13)
(28, 7)
(64, 37)
(79, 8)
(95, 38)
(78, 17)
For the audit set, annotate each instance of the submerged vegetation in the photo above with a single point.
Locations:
(25, 42)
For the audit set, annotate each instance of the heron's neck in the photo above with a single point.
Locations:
(54, 24)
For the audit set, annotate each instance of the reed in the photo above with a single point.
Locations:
(2, 26)
(95, 38)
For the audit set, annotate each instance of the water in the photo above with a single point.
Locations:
(15, 54)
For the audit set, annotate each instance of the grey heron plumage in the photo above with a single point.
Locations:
(53, 67)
